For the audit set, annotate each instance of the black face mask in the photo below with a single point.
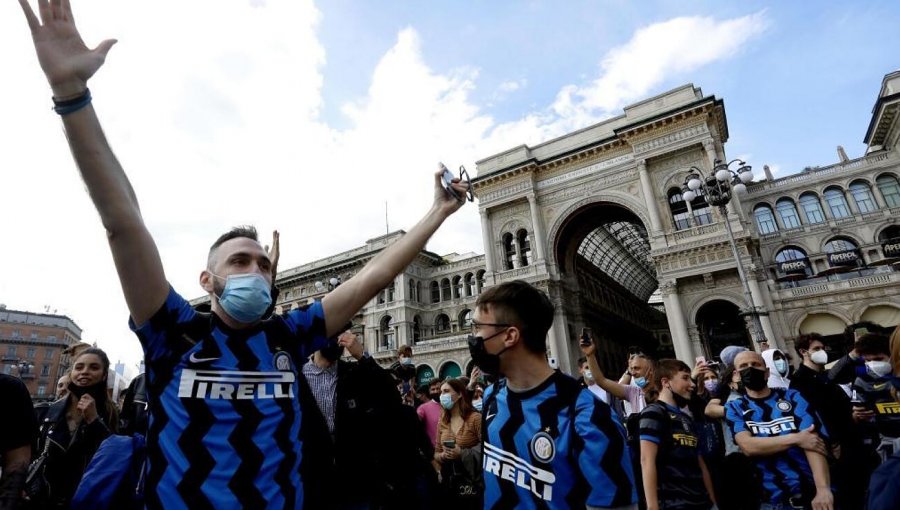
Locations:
(332, 352)
(487, 362)
(680, 401)
(97, 390)
(436, 397)
(753, 378)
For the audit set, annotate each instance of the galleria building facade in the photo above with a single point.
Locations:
(597, 220)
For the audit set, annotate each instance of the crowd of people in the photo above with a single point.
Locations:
(244, 408)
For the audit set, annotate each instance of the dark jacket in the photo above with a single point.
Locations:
(374, 455)
(68, 455)
(135, 414)
(830, 401)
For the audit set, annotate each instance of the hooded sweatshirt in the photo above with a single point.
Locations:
(776, 380)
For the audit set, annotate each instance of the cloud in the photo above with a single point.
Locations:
(215, 115)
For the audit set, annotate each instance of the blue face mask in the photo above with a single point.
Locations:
(447, 401)
(781, 366)
(477, 404)
(246, 296)
(640, 382)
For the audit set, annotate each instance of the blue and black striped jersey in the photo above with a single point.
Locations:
(556, 447)
(224, 409)
(784, 411)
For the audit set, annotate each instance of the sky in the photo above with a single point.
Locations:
(317, 117)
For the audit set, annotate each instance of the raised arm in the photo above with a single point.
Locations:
(345, 301)
(614, 388)
(68, 65)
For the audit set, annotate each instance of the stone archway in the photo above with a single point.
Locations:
(720, 324)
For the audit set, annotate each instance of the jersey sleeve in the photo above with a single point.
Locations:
(805, 414)
(653, 424)
(307, 326)
(735, 418)
(154, 333)
(602, 454)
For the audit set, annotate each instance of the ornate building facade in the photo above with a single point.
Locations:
(597, 219)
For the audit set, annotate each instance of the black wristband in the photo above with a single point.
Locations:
(72, 105)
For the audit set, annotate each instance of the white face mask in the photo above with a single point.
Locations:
(477, 404)
(819, 357)
(878, 368)
(588, 376)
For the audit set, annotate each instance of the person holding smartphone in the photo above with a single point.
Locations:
(458, 449)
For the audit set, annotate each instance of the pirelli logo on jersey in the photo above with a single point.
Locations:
(229, 385)
(772, 428)
(689, 440)
(888, 408)
(511, 468)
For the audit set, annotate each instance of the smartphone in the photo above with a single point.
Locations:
(447, 180)
(586, 336)
(859, 332)
(449, 444)
(700, 360)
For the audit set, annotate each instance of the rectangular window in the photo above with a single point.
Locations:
(702, 216)
(34, 335)
(49, 354)
(813, 213)
(31, 352)
(42, 389)
(15, 333)
(45, 370)
(864, 201)
(682, 221)
(11, 350)
(7, 369)
(789, 218)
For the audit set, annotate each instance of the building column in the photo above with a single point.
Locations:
(677, 324)
(649, 197)
(558, 341)
(763, 319)
(488, 241)
(539, 242)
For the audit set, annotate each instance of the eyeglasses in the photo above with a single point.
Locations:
(477, 325)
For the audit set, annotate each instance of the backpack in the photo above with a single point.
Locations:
(114, 478)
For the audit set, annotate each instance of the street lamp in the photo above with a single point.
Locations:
(719, 188)
(332, 284)
(24, 368)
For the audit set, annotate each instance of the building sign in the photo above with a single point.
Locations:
(891, 248)
(843, 258)
(584, 171)
(793, 266)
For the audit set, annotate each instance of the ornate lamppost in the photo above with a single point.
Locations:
(719, 188)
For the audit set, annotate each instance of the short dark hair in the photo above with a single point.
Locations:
(96, 351)
(435, 380)
(802, 342)
(581, 361)
(667, 368)
(873, 344)
(248, 231)
(522, 305)
(404, 350)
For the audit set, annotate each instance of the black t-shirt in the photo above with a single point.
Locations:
(17, 426)
(678, 473)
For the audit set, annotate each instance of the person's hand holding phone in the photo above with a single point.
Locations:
(451, 450)
(588, 347)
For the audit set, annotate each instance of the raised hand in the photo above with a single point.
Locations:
(442, 200)
(67, 62)
(274, 253)
(88, 408)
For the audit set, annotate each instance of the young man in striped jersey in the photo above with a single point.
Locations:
(779, 429)
(223, 387)
(548, 442)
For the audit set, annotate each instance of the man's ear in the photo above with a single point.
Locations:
(206, 281)
(513, 336)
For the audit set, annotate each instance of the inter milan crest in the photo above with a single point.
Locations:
(543, 448)
(282, 361)
(784, 405)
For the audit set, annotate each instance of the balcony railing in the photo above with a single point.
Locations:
(816, 286)
(817, 174)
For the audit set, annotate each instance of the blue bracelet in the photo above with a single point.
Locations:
(72, 105)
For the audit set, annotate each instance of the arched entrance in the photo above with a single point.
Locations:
(607, 279)
(720, 325)
(450, 370)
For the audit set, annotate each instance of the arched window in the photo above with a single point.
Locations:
(390, 292)
(524, 247)
(509, 251)
(386, 332)
(890, 241)
(842, 252)
(793, 260)
(469, 282)
(862, 195)
(890, 189)
(381, 297)
(765, 220)
(702, 211)
(435, 292)
(809, 202)
(458, 290)
(479, 281)
(837, 202)
(465, 320)
(442, 324)
(417, 329)
(680, 215)
(787, 211)
(445, 289)
(412, 291)
(839, 244)
(419, 291)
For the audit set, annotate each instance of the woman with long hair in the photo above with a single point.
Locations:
(72, 431)
(458, 448)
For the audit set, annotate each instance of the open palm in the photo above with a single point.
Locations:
(67, 62)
